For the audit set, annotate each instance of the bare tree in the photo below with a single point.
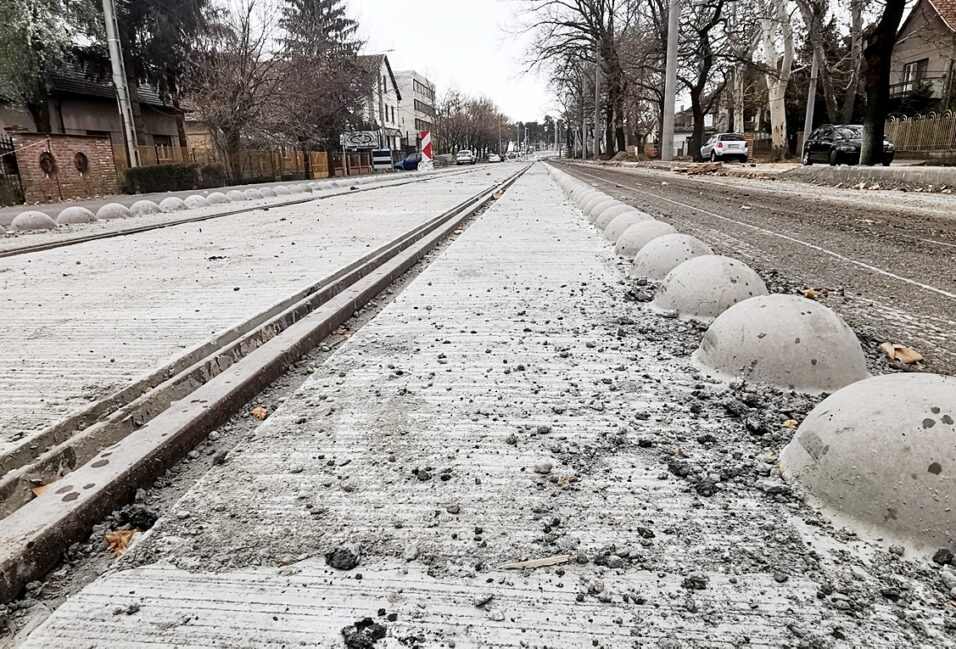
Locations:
(232, 79)
(701, 49)
(566, 29)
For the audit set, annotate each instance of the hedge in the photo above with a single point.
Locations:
(173, 177)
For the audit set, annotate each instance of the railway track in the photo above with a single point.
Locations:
(93, 462)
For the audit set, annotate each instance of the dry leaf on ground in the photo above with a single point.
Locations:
(259, 413)
(118, 540)
(901, 353)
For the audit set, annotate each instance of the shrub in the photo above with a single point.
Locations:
(173, 177)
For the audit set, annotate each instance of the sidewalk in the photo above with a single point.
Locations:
(509, 405)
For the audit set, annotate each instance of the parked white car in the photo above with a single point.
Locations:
(494, 157)
(723, 146)
(465, 157)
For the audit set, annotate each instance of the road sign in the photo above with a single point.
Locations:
(360, 140)
(382, 159)
(426, 138)
(426, 164)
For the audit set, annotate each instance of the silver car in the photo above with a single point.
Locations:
(724, 146)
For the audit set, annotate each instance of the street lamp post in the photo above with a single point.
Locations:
(119, 80)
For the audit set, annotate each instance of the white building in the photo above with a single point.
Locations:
(382, 109)
(416, 106)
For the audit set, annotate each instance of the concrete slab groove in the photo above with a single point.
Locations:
(501, 374)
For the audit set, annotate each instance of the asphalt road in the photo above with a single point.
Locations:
(887, 259)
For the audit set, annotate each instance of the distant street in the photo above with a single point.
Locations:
(887, 259)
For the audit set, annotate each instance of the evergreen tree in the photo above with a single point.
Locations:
(324, 86)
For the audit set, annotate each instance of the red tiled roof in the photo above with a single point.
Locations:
(946, 10)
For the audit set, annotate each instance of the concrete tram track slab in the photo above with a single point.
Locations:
(84, 321)
(886, 261)
(18, 243)
(498, 411)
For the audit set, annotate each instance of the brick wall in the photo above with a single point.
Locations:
(44, 182)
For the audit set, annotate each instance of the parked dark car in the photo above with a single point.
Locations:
(410, 163)
(840, 144)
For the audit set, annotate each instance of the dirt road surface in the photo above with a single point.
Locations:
(886, 259)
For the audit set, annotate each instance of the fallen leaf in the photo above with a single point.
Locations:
(901, 353)
(498, 194)
(790, 423)
(118, 540)
(259, 413)
(538, 563)
(810, 294)
(40, 489)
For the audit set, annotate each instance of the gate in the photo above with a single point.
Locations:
(11, 187)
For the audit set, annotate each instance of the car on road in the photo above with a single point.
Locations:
(465, 157)
(723, 146)
(410, 163)
(840, 144)
(494, 157)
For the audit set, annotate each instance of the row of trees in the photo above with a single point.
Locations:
(747, 57)
(280, 71)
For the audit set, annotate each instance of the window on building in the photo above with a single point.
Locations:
(163, 140)
(914, 73)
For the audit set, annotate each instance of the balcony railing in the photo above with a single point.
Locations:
(909, 87)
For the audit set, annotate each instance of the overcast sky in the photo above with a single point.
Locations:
(465, 44)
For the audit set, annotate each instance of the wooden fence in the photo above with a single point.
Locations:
(256, 164)
(929, 133)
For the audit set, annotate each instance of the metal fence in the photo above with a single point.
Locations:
(923, 133)
(11, 187)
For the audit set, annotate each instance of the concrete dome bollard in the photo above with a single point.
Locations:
(586, 194)
(234, 196)
(217, 198)
(172, 204)
(252, 194)
(704, 286)
(75, 214)
(113, 211)
(664, 254)
(882, 453)
(599, 207)
(267, 192)
(785, 340)
(620, 223)
(605, 217)
(144, 208)
(281, 190)
(194, 201)
(32, 220)
(592, 202)
(639, 235)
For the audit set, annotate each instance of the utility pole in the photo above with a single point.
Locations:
(119, 80)
(670, 82)
(811, 95)
(597, 99)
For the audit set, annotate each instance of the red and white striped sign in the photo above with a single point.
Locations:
(426, 138)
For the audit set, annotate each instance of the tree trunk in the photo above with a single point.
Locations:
(739, 100)
(777, 83)
(876, 80)
(697, 134)
(233, 155)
